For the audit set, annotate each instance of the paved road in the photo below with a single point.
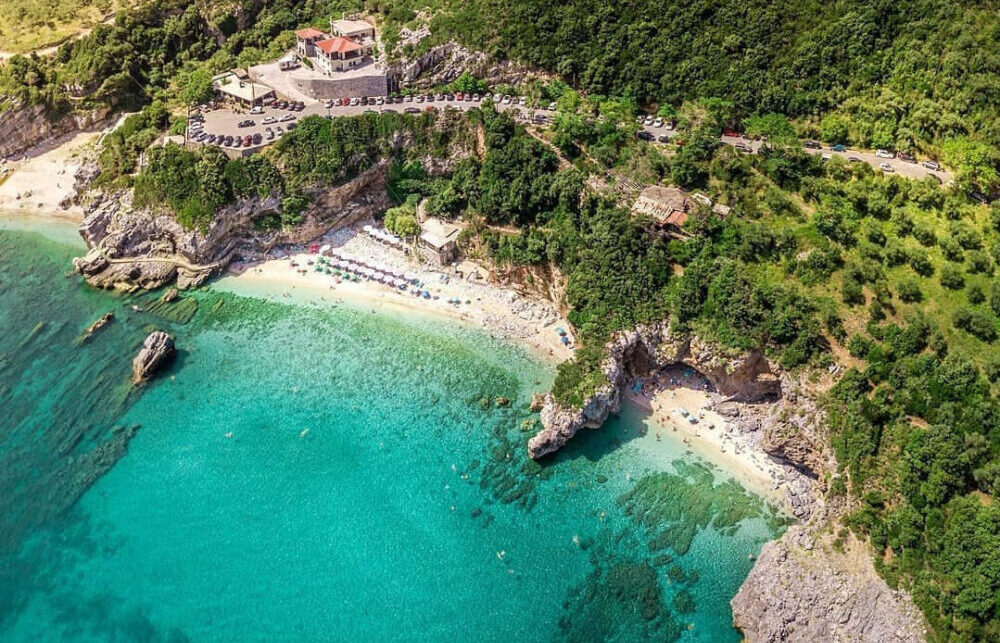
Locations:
(225, 122)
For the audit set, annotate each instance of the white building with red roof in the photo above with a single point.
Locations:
(337, 53)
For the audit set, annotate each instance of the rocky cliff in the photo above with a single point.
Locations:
(442, 64)
(24, 127)
(746, 377)
(802, 588)
(130, 249)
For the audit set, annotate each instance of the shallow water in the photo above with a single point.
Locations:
(317, 474)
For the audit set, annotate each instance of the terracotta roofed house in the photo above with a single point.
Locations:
(669, 206)
(338, 54)
(305, 41)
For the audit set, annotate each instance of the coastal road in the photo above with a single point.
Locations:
(225, 122)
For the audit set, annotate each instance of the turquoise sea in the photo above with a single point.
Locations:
(315, 474)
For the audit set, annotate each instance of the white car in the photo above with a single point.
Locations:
(287, 117)
(523, 101)
(658, 122)
(648, 122)
(257, 110)
(884, 154)
(328, 104)
(885, 167)
(268, 120)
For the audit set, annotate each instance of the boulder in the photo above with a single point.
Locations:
(157, 348)
(804, 589)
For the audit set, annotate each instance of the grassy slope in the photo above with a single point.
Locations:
(26, 25)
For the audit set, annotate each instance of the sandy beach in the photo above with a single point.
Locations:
(502, 312)
(42, 181)
(679, 391)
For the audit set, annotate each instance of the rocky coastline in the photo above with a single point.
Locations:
(802, 587)
(808, 587)
(131, 249)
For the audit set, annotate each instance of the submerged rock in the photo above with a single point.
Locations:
(98, 325)
(156, 349)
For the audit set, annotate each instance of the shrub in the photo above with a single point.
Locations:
(952, 277)
(909, 291)
(977, 323)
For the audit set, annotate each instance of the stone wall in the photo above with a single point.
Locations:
(23, 128)
(321, 88)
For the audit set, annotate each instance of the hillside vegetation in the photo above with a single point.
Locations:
(26, 25)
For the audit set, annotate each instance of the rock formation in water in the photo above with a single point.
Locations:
(804, 589)
(745, 377)
(103, 321)
(157, 348)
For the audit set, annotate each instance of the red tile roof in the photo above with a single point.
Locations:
(338, 44)
(309, 33)
(677, 218)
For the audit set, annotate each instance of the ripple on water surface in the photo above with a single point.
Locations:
(317, 474)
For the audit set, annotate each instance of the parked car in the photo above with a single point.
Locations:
(854, 159)
(355, 101)
(743, 147)
(644, 135)
(885, 167)
(838, 148)
(658, 122)
(257, 138)
(409, 98)
(497, 98)
(421, 98)
(229, 139)
(648, 121)
(639, 119)
(257, 109)
(663, 138)
(812, 145)
(379, 101)
(268, 120)
(287, 117)
(429, 98)
(328, 103)
(449, 97)
(412, 110)
(439, 97)
(248, 140)
(269, 133)
(281, 104)
(477, 97)
(210, 138)
(909, 158)
(245, 123)
(522, 101)
(505, 100)
(459, 96)
(932, 165)
(552, 106)
(278, 130)
(291, 126)
(885, 154)
(237, 142)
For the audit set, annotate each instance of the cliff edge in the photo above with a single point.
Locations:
(802, 588)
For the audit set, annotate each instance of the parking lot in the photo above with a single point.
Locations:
(225, 122)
